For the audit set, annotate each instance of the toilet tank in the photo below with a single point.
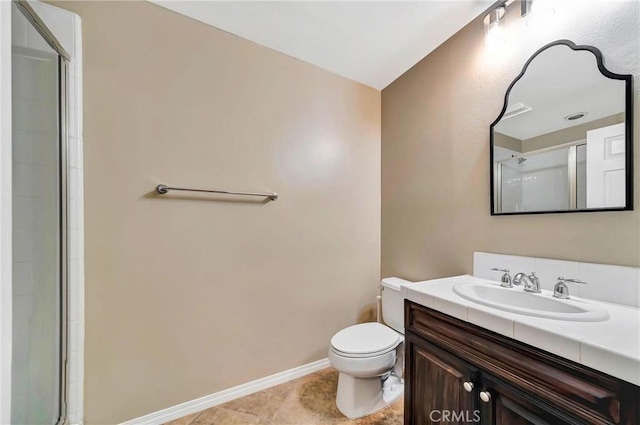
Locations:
(393, 302)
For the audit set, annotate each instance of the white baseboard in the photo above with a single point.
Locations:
(215, 399)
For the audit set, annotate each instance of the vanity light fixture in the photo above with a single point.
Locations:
(494, 36)
(538, 13)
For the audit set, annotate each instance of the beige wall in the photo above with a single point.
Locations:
(435, 152)
(568, 135)
(187, 297)
(508, 142)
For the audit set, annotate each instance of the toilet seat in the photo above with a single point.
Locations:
(365, 340)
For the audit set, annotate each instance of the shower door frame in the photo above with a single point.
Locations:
(6, 278)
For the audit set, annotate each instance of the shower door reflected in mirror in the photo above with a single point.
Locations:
(585, 174)
(39, 225)
(535, 182)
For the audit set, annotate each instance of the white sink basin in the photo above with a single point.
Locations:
(516, 300)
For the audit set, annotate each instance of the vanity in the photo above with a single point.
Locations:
(470, 362)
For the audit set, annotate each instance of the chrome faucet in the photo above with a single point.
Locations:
(530, 283)
(505, 280)
(561, 290)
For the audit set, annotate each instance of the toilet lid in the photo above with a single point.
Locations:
(365, 338)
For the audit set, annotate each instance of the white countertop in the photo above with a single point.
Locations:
(611, 346)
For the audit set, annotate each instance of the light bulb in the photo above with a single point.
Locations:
(494, 37)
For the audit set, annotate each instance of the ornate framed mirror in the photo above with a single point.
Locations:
(563, 140)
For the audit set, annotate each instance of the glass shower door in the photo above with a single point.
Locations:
(39, 247)
(535, 182)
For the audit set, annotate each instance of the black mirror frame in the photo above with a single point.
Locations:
(628, 79)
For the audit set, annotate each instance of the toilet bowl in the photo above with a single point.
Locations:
(370, 358)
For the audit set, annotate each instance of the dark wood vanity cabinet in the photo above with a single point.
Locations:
(429, 367)
(459, 373)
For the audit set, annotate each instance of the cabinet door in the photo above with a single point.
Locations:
(508, 406)
(435, 391)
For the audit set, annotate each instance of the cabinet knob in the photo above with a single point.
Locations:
(468, 386)
(485, 396)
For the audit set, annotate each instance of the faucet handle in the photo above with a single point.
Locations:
(581, 282)
(505, 279)
(561, 290)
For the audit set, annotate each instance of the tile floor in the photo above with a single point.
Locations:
(309, 400)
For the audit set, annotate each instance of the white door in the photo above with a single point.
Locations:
(606, 167)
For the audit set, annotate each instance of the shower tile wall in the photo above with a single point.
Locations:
(67, 28)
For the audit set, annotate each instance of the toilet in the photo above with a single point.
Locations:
(370, 357)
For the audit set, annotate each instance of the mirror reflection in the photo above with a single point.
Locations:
(561, 143)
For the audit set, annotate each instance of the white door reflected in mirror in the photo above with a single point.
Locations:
(606, 167)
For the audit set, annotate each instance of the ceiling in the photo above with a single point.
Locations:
(560, 82)
(366, 41)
